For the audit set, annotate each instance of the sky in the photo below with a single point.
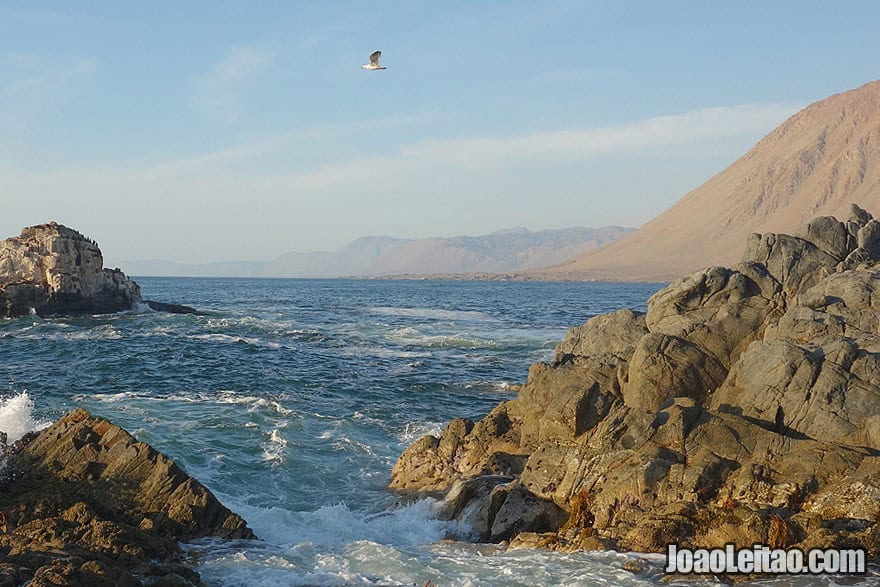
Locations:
(224, 131)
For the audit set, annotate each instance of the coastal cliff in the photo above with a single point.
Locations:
(53, 269)
(84, 503)
(743, 407)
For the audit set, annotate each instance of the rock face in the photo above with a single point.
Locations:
(84, 503)
(743, 407)
(52, 269)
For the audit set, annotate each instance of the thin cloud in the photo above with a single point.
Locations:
(29, 79)
(566, 76)
(221, 91)
(273, 144)
(475, 154)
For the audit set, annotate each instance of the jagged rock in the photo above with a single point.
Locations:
(659, 358)
(796, 263)
(858, 215)
(90, 505)
(743, 407)
(829, 235)
(564, 402)
(718, 309)
(522, 511)
(52, 269)
(609, 338)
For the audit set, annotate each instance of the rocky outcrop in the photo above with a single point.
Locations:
(743, 407)
(84, 503)
(52, 269)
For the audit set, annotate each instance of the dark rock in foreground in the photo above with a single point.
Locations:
(743, 407)
(84, 503)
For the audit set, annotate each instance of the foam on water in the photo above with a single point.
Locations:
(412, 431)
(301, 441)
(337, 525)
(367, 562)
(432, 313)
(253, 403)
(463, 340)
(273, 448)
(16, 417)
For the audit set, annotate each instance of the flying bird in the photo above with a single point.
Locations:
(374, 61)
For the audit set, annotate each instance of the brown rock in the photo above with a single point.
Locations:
(743, 407)
(90, 505)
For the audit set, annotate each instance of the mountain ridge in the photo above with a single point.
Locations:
(815, 163)
(508, 250)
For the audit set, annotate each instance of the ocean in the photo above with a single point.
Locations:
(292, 399)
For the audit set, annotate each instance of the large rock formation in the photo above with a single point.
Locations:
(84, 503)
(52, 269)
(814, 164)
(743, 407)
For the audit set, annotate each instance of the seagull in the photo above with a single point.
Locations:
(374, 61)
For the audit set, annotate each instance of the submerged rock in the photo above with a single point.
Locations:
(85, 503)
(743, 407)
(170, 308)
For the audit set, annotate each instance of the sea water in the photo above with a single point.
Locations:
(291, 400)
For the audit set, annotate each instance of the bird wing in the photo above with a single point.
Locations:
(374, 57)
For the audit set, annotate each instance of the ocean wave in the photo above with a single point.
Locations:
(493, 386)
(60, 331)
(220, 337)
(432, 313)
(413, 337)
(337, 525)
(274, 447)
(17, 417)
(253, 403)
(412, 431)
(384, 353)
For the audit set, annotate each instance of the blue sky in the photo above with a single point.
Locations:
(203, 131)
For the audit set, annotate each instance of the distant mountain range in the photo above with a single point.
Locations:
(515, 249)
(815, 163)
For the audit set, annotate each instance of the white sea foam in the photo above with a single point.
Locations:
(337, 525)
(432, 314)
(60, 331)
(252, 402)
(411, 336)
(17, 418)
(368, 562)
(492, 386)
(273, 448)
(415, 430)
(220, 337)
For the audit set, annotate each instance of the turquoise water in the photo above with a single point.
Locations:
(291, 400)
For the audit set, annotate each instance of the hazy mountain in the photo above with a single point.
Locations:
(515, 249)
(816, 163)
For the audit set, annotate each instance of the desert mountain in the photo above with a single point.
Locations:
(815, 163)
(515, 249)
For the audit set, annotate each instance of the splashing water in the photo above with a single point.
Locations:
(16, 417)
